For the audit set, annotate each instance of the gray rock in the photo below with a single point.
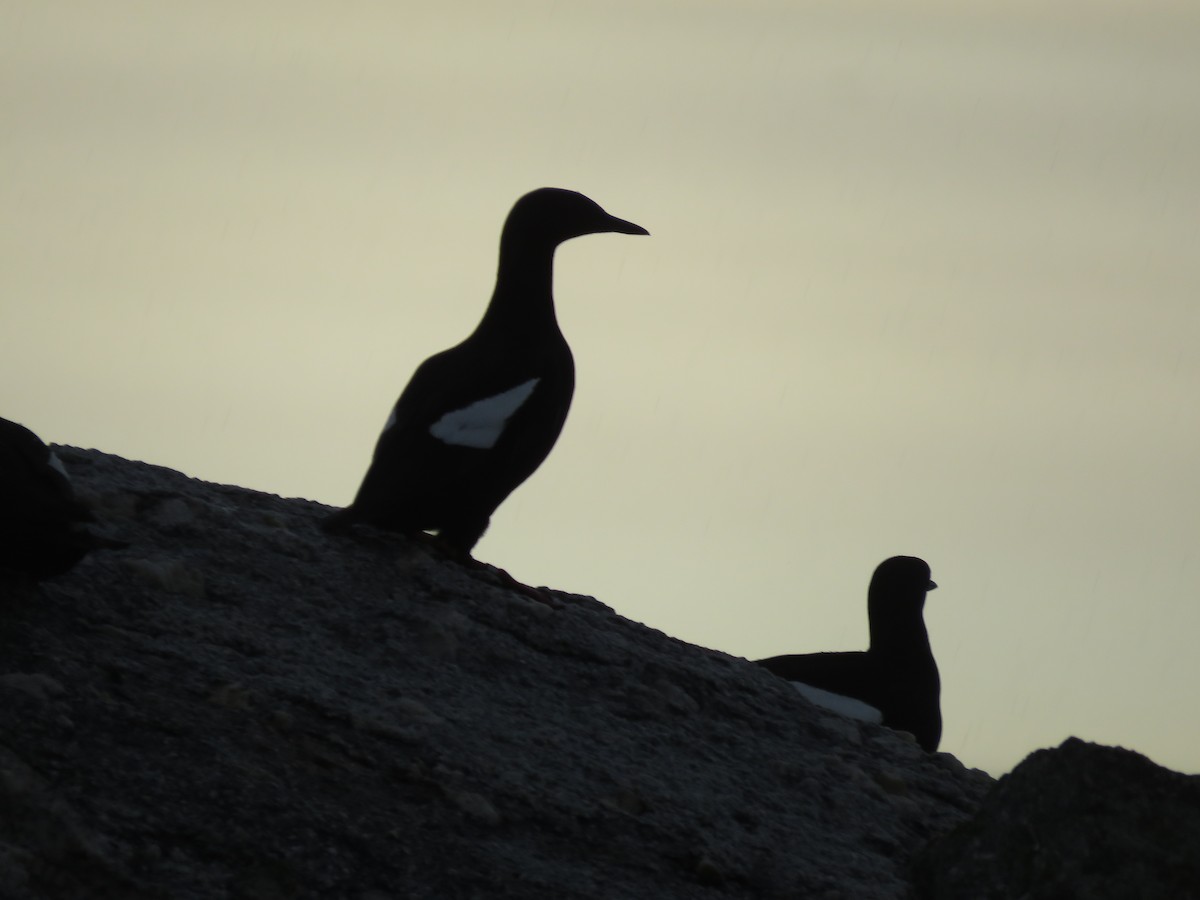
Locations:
(1082, 820)
(238, 705)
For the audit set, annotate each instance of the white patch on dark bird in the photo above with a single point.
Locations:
(839, 703)
(481, 423)
(57, 466)
(391, 419)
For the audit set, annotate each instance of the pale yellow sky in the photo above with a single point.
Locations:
(920, 281)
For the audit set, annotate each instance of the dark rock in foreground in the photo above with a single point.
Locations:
(1083, 820)
(237, 705)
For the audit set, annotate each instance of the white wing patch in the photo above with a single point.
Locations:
(57, 466)
(839, 703)
(481, 423)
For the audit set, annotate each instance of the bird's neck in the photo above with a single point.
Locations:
(524, 295)
(904, 636)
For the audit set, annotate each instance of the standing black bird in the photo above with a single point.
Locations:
(43, 525)
(897, 674)
(476, 420)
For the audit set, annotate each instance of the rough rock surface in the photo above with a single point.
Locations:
(238, 705)
(1082, 820)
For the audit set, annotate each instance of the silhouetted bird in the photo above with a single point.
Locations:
(897, 675)
(43, 526)
(476, 420)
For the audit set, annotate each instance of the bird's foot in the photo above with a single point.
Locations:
(492, 574)
(501, 578)
(340, 524)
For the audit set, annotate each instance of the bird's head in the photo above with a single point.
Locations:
(901, 580)
(553, 215)
(896, 604)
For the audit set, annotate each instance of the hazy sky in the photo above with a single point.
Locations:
(921, 280)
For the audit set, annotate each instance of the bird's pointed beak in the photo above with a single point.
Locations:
(620, 226)
(932, 584)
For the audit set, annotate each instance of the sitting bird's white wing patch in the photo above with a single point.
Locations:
(481, 423)
(57, 465)
(839, 703)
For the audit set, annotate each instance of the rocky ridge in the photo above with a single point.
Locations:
(238, 705)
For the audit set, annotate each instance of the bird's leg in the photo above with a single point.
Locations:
(453, 550)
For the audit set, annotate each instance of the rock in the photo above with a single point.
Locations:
(36, 685)
(238, 705)
(1081, 820)
(475, 805)
(172, 575)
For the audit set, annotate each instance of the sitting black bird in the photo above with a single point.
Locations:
(43, 525)
(476, 420)
(897, 674)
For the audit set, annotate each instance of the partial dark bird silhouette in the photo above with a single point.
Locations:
(897, 674)
(476, 420)
(43, 525)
